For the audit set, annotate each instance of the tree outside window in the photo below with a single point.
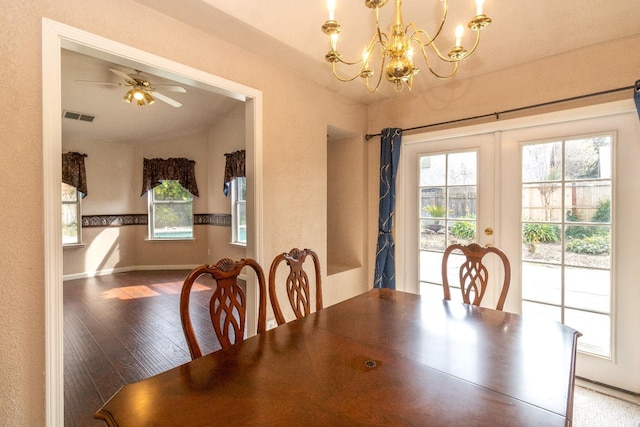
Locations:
(170, 212)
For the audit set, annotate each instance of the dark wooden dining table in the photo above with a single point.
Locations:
(381, 358)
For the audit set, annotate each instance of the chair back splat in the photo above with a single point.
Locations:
(296, 285)
(473, 274)
(228, 303)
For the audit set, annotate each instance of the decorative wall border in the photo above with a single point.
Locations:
(114, 220)
(221, 220)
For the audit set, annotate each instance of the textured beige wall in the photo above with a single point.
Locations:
(296, 114)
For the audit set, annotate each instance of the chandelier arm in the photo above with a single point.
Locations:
(343, 79)
(417, 33)
(372, 43)
(378, 31)
(441, 76)
(475, 45)
(431, 70)
(382, 64)
(417, 39)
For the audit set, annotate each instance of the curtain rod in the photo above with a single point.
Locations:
(513, 110)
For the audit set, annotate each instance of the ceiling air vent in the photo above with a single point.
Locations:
(78, 116)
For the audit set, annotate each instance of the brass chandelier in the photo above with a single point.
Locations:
(395, 51)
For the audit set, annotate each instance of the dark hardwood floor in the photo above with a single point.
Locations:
(122, 328)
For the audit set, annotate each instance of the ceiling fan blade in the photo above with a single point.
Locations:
(171, 88)
(98, 83)
(166, 99)
(121, 74)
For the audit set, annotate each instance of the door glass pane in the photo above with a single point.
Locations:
(462, 202)
(566, 235)
(432, 235)
(462, 169)
(447, 209)
(430, 267)
(588, 289)
(433, 170)
(595, 328)
(541, 242)
(588, 158)
(542, 282)
(551, 312)
(542, 162)
(542, 201)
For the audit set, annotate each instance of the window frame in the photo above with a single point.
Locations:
(151, 204)
(238, 203)
(78, 211)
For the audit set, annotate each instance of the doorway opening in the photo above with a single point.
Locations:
(56, 37)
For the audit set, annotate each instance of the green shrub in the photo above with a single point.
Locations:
(578, 232)
(436, 211)
(582, 232)
(571, 217)
(540, 233)
(603, 212)
(594, 245)
(463, 230)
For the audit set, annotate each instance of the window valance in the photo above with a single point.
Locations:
(179, 169)
(73, 171)
(235, 166)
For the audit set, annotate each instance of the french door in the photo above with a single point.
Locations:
(448, 197)
(559, 193)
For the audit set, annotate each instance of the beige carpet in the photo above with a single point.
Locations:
(594, 409)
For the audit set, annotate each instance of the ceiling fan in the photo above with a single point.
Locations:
(142, 91)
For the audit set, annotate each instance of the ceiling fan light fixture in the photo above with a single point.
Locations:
(148, 98)
(138, 94)
(128, 97)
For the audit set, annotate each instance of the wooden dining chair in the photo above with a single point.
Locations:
(228, 303)
(473, 274)
(296, 284)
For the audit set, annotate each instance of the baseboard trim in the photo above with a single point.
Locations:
(87, 274)
(612, 391)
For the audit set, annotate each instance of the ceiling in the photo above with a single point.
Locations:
(289, 31)
(118, 121)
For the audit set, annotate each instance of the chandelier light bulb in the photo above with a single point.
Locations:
(479, 4)
(334, 41)
(331, 5)
(459, 33)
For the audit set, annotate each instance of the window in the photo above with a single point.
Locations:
(170, 212)
(71, 229)
(566, 236)
(447, 203)
(239, 210)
